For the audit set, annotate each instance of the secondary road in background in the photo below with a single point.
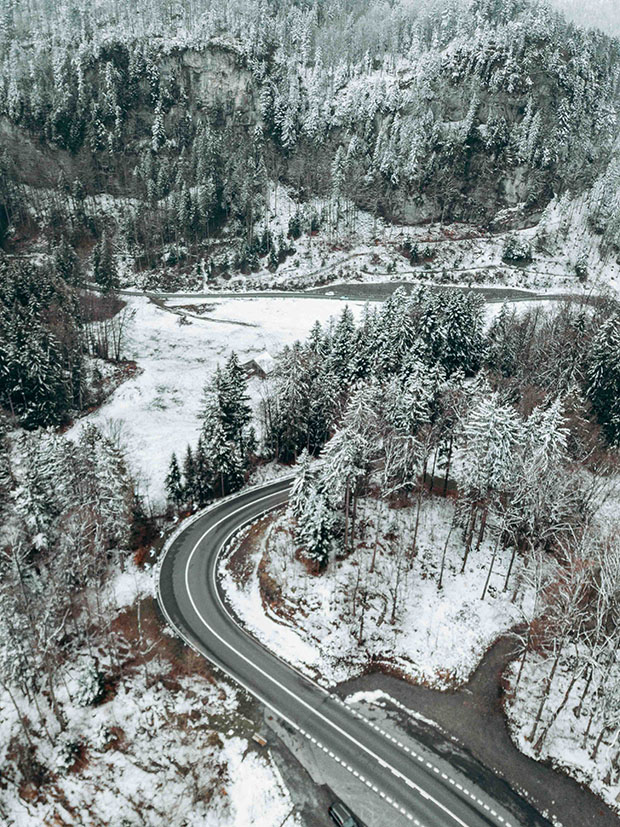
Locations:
(353, 291)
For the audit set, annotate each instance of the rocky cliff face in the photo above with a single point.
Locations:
(215, 78)
(34, 162)
(218, 76)
(462, 174)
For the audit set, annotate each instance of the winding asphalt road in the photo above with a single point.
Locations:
(192, 602)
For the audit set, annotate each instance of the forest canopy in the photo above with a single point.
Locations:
(440, 110)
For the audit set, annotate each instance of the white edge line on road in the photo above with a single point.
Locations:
(218, 559)
(209, 656)
(175, 536)
(266, 675)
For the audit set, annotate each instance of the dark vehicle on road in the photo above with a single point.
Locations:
(342, 815)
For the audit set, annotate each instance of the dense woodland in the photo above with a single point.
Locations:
(185, 113)
(54, 340)
(520, 424)
(523, 420)
(69, 512)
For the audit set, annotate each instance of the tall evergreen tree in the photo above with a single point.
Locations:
(66, 263)
(604, 378)
(105, 272)
(189, 477)
(174, 483)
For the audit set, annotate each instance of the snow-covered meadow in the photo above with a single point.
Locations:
(157, 411)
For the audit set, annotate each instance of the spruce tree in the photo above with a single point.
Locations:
(66, 263)
(603, 378)
(174, 483)
(105, 272)
(189, 477)
(204, 482)
(235, 409)
(316, 528)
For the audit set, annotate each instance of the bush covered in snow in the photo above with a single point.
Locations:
(65, 754)
(90, 684)
(517, 250)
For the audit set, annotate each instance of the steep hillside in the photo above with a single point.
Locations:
(444, 111)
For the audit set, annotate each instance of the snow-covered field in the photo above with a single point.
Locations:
(437, 636)
(157, 411)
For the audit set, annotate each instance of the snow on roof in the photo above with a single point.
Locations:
(265, 360)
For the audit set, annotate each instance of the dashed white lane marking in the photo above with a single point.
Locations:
(366, 781)
(422, 760)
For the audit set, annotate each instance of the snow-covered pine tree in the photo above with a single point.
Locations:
(315, 528)
(174, 483)
(603, 387)
(501, 348)
(204, 475)
(189, 477)
(490, 435)
(222, 458)
(342, 346)
(105, 272)
(463, 334)
(66, 263)
(304, 480)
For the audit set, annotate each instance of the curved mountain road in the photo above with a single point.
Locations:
(191, 600)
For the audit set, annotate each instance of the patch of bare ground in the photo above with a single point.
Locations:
(239, 563)
(197, 309)
(140, 628)
(97, 307)
(105, 383)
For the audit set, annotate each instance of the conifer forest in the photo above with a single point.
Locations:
(309, 413)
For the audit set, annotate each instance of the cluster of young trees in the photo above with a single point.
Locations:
(47, 329)
(66, 508)
(571, 644)
(218, 464)
(572, 352)
(416, 107)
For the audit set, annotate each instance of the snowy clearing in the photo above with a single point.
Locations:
(157, 411)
